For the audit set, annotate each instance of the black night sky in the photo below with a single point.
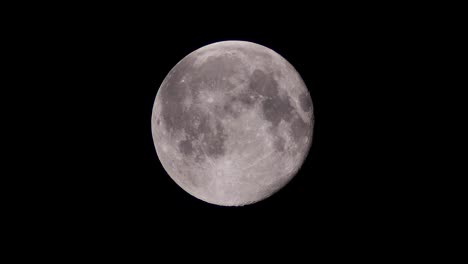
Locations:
(109, 65)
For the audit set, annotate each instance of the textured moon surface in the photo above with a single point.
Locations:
(232, 123)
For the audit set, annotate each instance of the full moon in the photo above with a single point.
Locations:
(232, 123)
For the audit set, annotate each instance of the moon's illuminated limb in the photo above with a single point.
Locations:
(232, 123)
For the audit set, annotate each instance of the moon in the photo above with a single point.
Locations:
(232, 123)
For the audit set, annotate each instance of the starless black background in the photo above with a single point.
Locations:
(106, 65)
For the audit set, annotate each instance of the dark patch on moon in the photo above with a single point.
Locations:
(305, 102)
(229, 109)
(279, 144)
(185, 146)
(263, 84)
(270, 111)
(214, 141)
(298, 129)
(277, 109)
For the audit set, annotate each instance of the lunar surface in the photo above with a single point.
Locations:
(232, 123)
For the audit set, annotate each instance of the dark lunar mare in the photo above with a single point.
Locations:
(305, 102)
(276, 108)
